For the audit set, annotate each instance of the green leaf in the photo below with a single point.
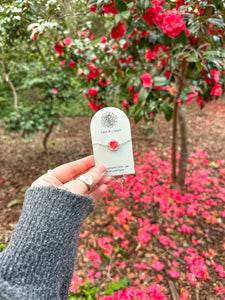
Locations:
(2, 246)
(164, 39)
(217, 62)
(142, 96)
(143, 4)
(193, 57)
(142, 25)
(116, 286)
(138, 115)
(141, 43)
(181, 38)
(212, 52)
(120, 5)
(217, 22)
(160, 81)
(194, 27)
(152, 106)
(14, 202)
(166, 108)
(199, 66)
(152, 37)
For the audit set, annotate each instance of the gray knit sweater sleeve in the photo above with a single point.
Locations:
(39, 260)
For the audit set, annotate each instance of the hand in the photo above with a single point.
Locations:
(65, 177)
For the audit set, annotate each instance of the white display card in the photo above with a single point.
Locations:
(111, 141)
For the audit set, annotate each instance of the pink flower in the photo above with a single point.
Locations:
(216, 90)
(118, 31)
(155, 291)
(150, 55)
(67, 41)
(98, 274)
(215, 75)
(143, 236)
(190, 97)
(103, 40)
(184, 294)
(54, 91)
(147, 80)
(174, 273)
(157, 265)
(62, 63)
(59, 49)
(141, 266)
(186, 229)
(93, 256)
(173, 23)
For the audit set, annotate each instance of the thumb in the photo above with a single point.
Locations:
(79, 187)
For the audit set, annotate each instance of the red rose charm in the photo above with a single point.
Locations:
(113, 145)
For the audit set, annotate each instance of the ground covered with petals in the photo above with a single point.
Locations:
(145, 240)
(163, 240)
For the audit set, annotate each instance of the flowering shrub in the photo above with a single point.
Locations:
(141, 57)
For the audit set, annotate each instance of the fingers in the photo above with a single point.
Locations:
(79, 187)
(67, 172)
(98, 192)
(46, 179)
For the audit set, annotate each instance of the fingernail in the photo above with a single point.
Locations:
(100, 168)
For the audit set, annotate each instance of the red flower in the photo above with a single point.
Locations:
(150, 55)
(110, 8)
(92, 8)
(147, 80)
(67, 41)
(94, 106)
(118, 31)
(103, 40)
(179, 3)
(92, 92)
(215, 75)
(216, 90)
(62, 63)
(59, 49)
(103, 81)
(173, 23)
(125, 105)
(152, 14)
(72, 64)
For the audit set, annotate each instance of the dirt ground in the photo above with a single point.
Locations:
(22, 160)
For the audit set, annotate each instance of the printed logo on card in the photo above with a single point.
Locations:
(109, 120)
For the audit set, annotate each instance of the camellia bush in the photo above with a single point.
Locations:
(155, 56)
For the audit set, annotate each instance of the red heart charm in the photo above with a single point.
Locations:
(113, 145)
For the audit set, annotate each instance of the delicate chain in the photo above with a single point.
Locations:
(112, 140)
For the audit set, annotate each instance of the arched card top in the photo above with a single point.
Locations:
(111, 122)
(111, 141)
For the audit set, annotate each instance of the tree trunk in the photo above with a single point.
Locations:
(179, 88)
(6, 76)
(14, 93)
(41, 54)
(174, 144)
(184, 147)
(45, 140)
